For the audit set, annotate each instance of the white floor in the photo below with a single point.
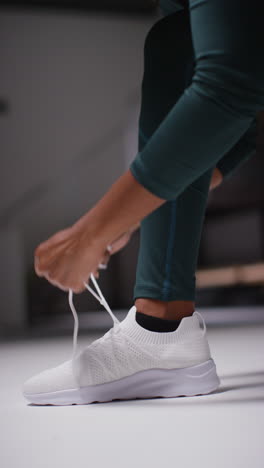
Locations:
(224, 429)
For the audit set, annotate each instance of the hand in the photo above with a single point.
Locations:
(118, 244)
(68, 258)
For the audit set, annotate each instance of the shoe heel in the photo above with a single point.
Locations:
(200, 379)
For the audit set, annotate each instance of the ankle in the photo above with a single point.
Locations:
(177, 310)
(170, 310)
(153, 307)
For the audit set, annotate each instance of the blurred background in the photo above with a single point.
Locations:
(70, 88)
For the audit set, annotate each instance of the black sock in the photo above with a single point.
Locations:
(156, 324)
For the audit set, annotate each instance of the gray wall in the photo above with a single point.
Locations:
(72, 81)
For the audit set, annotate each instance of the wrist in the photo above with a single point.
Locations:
(121, 208)
(90, 232)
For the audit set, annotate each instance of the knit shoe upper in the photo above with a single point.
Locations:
(125, 349)
(128, 348)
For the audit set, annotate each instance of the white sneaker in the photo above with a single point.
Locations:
(129, 362)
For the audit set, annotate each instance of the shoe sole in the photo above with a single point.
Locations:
(200, 379)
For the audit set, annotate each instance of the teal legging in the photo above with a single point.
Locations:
(201, 89)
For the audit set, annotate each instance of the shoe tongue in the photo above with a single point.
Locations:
(129, 322)
(131, 315)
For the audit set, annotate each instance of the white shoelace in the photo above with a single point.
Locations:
(102, 301)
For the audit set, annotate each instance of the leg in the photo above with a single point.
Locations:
(161, 72)
(169, 240)
(220, 104)
(240, 152)
(176, 235)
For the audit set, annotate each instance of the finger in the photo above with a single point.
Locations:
(78, 289)
(43, 266)
(119, 243)
(36, 267)
(48, 252)
(63, 284)
(57, 238)
(41, 269)
(104, 261)
(54, 282)
(45, 261)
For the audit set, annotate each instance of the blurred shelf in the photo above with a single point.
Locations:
(234, 275)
